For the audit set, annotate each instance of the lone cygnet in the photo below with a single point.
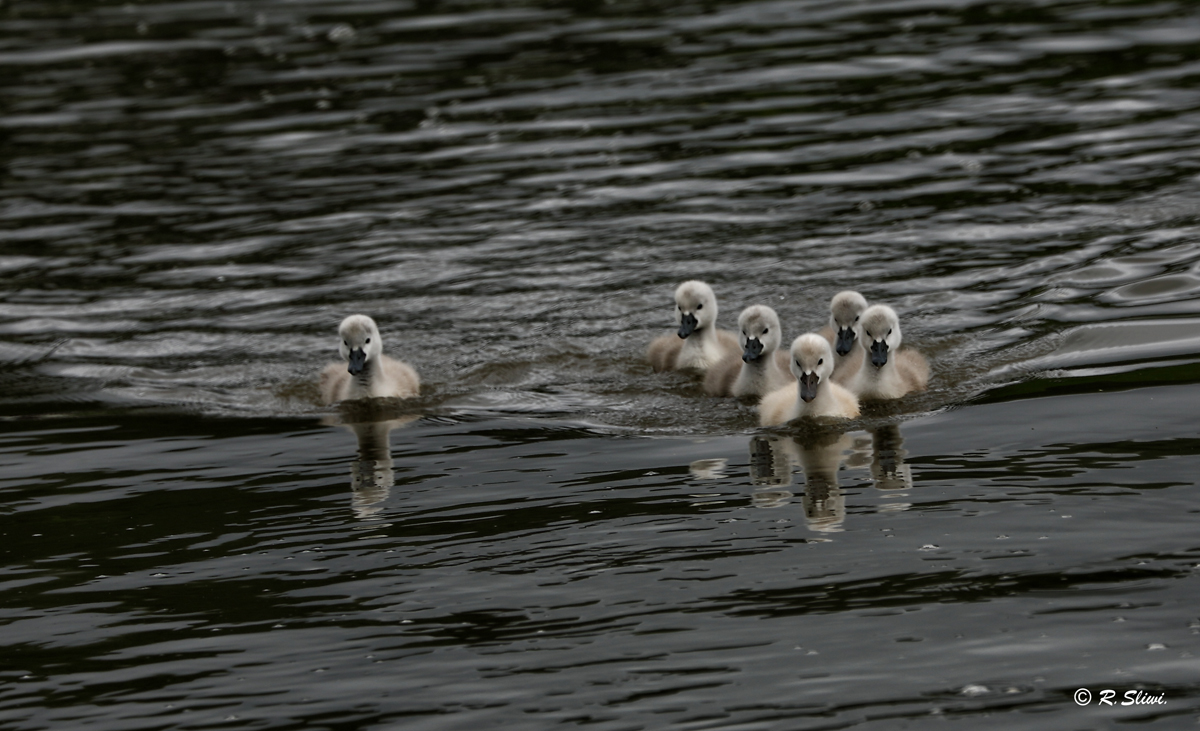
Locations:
(887, 372)
(813, 393)
(699, 345)
(369, 373)
(845, 309)
(762, 367)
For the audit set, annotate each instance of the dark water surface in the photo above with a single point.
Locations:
(193, 194)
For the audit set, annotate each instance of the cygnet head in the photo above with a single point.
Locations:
(695, 307)
(845, 309)
(759, 332)
(360, 342)
(812, 362)
(880, 331)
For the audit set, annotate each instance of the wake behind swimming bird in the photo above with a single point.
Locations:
(698, 344)
(367, 372)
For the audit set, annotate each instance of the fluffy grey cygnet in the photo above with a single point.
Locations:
(813, 393)
(699, 344)
(760, 367)
(845, 311)
(367, 372)
(887, 372)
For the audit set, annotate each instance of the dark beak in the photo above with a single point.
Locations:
(358, 359)
(753, 349)
(687, 325)
(808, 386)
(879, 350)
(845, 340)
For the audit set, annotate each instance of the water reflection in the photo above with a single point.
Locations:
(888, 468)
(821, 458)
(371, 472)
(770, 472)
(822, 455)
(708, 469)
(769, 462)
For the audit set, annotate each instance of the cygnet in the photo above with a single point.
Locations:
(368, 373)
(845, 309)
(762, 367)
(700, 345)
(887, 371)
(813, 394)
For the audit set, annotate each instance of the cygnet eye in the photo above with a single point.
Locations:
(700, 306)
(889, 332)
(346, 343)
(368, 340)
(820, 361)
(766, 330)
(856, 317)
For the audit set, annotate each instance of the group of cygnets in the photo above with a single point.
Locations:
(823, 374)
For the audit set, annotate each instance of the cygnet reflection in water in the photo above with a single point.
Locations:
(371, 472)
(822, 454)
(888, 468)
(821, 458)
(770, 472)
(708, 469)
(770, 463)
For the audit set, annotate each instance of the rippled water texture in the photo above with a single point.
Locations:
(193, 194)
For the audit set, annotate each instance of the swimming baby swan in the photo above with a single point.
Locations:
(762, 367)
(887, 372)
(699, 345)
(813, 393)
(845, 310)
(368, 373)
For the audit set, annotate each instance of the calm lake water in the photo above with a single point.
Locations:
(195, 193)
